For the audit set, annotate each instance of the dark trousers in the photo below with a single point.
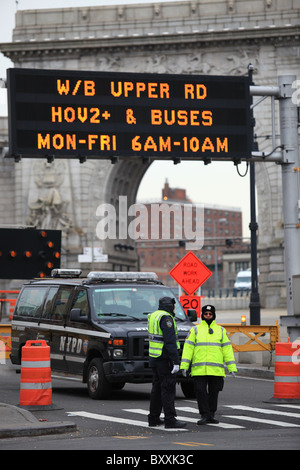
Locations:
(163, 392)
(207, 388)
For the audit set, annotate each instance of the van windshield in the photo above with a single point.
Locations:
(130, 302)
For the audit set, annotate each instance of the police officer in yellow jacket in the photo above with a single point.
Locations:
(164, 361)
(205, 351)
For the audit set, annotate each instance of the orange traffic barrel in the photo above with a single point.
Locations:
(287, 370)
(35, 386)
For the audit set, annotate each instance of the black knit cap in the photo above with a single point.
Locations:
(209, 308)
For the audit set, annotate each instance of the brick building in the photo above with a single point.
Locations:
(160, 246)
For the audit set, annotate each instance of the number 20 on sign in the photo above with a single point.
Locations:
(191, 301)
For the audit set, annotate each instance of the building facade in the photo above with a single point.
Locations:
(163, 242)
(204, 37)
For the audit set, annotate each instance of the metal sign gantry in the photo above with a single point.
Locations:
(288, 157)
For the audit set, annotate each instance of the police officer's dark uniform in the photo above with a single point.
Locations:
(164, 361)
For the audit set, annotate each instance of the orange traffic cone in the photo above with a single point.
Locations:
(35, 386)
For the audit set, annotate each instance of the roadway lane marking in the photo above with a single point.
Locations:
(265, 421)
(264, 410)
(193, 444)
(290, 406)
(187, 419)
(132, 422)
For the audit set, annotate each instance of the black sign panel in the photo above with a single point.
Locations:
(29, 253)
(63, 113)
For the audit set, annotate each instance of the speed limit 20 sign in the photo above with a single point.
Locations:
(191, 301)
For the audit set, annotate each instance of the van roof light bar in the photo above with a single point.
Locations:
(66, 272)
(121, 276)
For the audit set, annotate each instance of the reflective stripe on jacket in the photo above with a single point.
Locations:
(156, 340)
(206, 353)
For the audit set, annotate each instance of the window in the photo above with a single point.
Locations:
(59, 310)
(49, 302)
(31, 302)
(81, 301)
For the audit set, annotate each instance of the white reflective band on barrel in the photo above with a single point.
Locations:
(35, 386)
(284, 358)
(35, 364)
(287, 379)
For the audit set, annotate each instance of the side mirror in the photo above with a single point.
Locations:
(76, 315)
(192, 314)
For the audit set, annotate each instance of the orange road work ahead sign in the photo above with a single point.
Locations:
(190, 273)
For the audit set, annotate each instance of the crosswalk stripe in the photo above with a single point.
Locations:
(265, 421)
(264, 410)
(187, 409)
(190, 420)
(297, 407)
(133, 422)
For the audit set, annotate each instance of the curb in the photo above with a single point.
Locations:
(38, 429)
(24, 423)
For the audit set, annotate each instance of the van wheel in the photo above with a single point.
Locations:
(98, 386)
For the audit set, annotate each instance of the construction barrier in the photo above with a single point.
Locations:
(254, 334)
(5, 341)
(287, 370)
(35, 386)
(12, 302)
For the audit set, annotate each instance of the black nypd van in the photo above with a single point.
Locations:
(96, 327)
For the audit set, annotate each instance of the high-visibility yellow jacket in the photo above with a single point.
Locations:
(156, 337)
(206, 353)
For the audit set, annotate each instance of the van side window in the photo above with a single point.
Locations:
(31, 301)
(59, 310)
(49, 302)
(81, 301)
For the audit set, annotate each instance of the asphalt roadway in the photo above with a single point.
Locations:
(16, 421)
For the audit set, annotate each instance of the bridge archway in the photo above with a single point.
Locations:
(203, 37)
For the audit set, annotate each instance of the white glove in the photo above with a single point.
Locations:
(184, 372)
(233, 374)
(175, 369)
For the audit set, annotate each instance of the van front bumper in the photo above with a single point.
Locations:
(127, 371)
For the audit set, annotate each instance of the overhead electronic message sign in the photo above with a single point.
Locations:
(59, 113)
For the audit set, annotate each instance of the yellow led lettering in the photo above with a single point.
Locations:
(207, 145)
(150, 144)
(58, 141)
(182, 117)
(222, 146)
(82, 114)
(63, 88)
(108, 143)
(140, 87)
(91, 140)
(170, 121)
(156, 117)
(151, 89)
(113, 91)
(71, 141)
(94, 118)
(69, 114)
(207, 118)
(199, 92)
(128, 86)
(43, 142)
(164, 144)
(74, 92)
(89, 88)
(164, 90)
(56, 114)
(135, 144)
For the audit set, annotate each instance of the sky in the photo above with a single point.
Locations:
(215, 184)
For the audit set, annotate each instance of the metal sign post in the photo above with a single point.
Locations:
(290, 165)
